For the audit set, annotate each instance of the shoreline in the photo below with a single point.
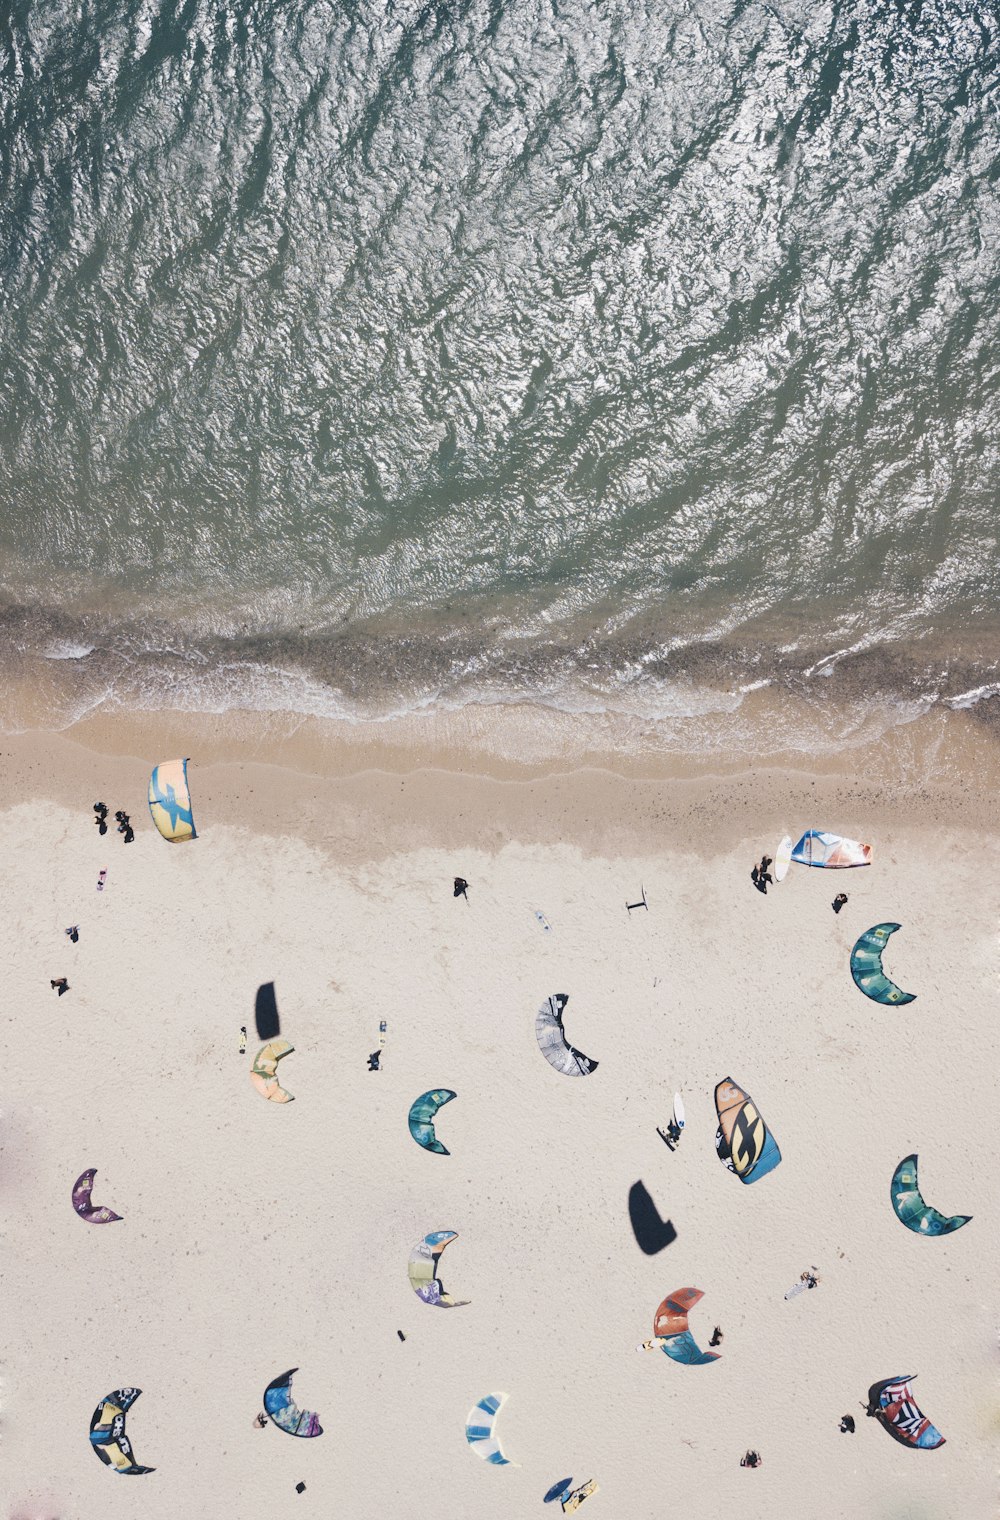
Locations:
(409, 784)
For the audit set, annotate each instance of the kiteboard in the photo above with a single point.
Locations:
(678, 1110)
(573, 1500)
(101, 879)
(782, 859)
(543, 920)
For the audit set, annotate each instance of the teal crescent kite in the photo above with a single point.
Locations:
(910, 1207)
(421, 1118)
(866, 967)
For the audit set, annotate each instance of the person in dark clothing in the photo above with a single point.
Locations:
(761, 875)
(461, 888)
(74, 933)
(374, 1059)
(125, 827)
(752, 1459)
(716, 1339)
(60, 984)
(101, 812)
(129, 833)
(838, 901)
(847, 1424)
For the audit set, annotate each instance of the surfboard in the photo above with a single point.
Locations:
(678, 1110)
(782, 859)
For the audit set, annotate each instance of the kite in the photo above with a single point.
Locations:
(421, 1118)
(479, 1428)
(285, 1413)
(817, 848)
(910, 1207)
(671, 1333)
(423, 1267)
(742, 1139)
(81, 1201)
(571, 1502)
(107, 1432)
(552, 1041)
(263, 1072)
(891, 1402)
(866, 967)
(170, 801)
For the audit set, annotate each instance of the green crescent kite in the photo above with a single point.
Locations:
(910, 1207)
(866, 967)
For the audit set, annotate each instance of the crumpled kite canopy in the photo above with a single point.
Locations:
(479, 1429)
(82, 1201)
(910, 1207)
(285, 1413)
(107, 1432)
(818, 848)
(670, 1328)
(552, 1041)
(170, 801)
(892, 1404)
(866, 967)
(742, 1139)
(263, 1072)
(423, 1270)
(421, 1118)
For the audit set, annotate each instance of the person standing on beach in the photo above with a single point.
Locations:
(74, 933)
(60, 984)
(101, 810)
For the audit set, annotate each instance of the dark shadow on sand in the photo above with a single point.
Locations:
(651, 1232)
(266, 1012)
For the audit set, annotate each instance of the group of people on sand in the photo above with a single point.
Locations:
(60, 984)
(762, 879)
(121, 818)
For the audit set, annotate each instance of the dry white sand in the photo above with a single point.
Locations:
(258, 1238)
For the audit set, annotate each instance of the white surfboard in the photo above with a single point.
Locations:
(782, 859)
(678, 1111)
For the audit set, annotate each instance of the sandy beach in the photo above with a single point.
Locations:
(258, 1237)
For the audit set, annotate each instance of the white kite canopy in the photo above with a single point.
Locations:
(552, 1041)
(480, 1432)
(818, 848)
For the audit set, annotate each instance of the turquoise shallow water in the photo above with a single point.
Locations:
(356, 358)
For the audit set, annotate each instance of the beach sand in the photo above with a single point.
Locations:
(259, 1237)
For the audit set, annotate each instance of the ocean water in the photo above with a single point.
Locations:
(368, 358)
